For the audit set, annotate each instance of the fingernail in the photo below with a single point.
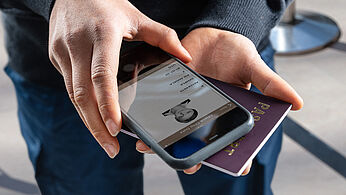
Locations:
(112, 128)
(140, 146)
(110, 150)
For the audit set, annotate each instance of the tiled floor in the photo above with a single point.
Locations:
(320, 78)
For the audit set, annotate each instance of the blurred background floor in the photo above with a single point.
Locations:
(320, 78)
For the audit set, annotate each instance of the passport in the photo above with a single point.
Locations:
(268, 113)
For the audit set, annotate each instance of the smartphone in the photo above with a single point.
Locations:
(181, 116)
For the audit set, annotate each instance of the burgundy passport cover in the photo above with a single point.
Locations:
(268, 113)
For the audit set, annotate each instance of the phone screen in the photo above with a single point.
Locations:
(172, 104)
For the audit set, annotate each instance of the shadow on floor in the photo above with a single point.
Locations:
(315, 146)
(17, 185)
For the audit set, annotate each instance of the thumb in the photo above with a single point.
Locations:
(271, 84)
(159, 35)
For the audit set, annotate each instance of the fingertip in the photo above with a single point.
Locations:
(247, 170)
(187, 57)
(193, 169)
(166, 38)
(271, 84)
(291, 96)
(111, 150)
(112, 127)
(176, 48)
(298, 104)
(142, 148)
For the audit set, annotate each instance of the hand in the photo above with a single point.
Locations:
(84, 41)
(233, 58)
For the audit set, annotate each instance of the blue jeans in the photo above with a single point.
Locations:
(67, 160)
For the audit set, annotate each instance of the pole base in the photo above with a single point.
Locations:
(309, 32)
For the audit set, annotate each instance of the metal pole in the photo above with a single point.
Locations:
(302, 32)
(288, 17)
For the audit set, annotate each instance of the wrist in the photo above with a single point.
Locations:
(209, 35)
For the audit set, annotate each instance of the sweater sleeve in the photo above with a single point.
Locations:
(251, 18)
(40, 7)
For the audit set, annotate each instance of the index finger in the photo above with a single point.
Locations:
(159, 35)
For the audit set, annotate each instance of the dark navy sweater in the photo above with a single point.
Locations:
(26, 27)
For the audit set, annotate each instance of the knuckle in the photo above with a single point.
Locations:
(99, 28)
(140, 26)
(98, 134)
(102, 29)
(55, 48)
(74, 36)
(52, 51)
(52, 59)
(80, 96)
(131, 33)
(69, 91)
(170, 32)
(71, 96)
(100, 72)
(105, 108)
(167, 36)
(51, 56)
